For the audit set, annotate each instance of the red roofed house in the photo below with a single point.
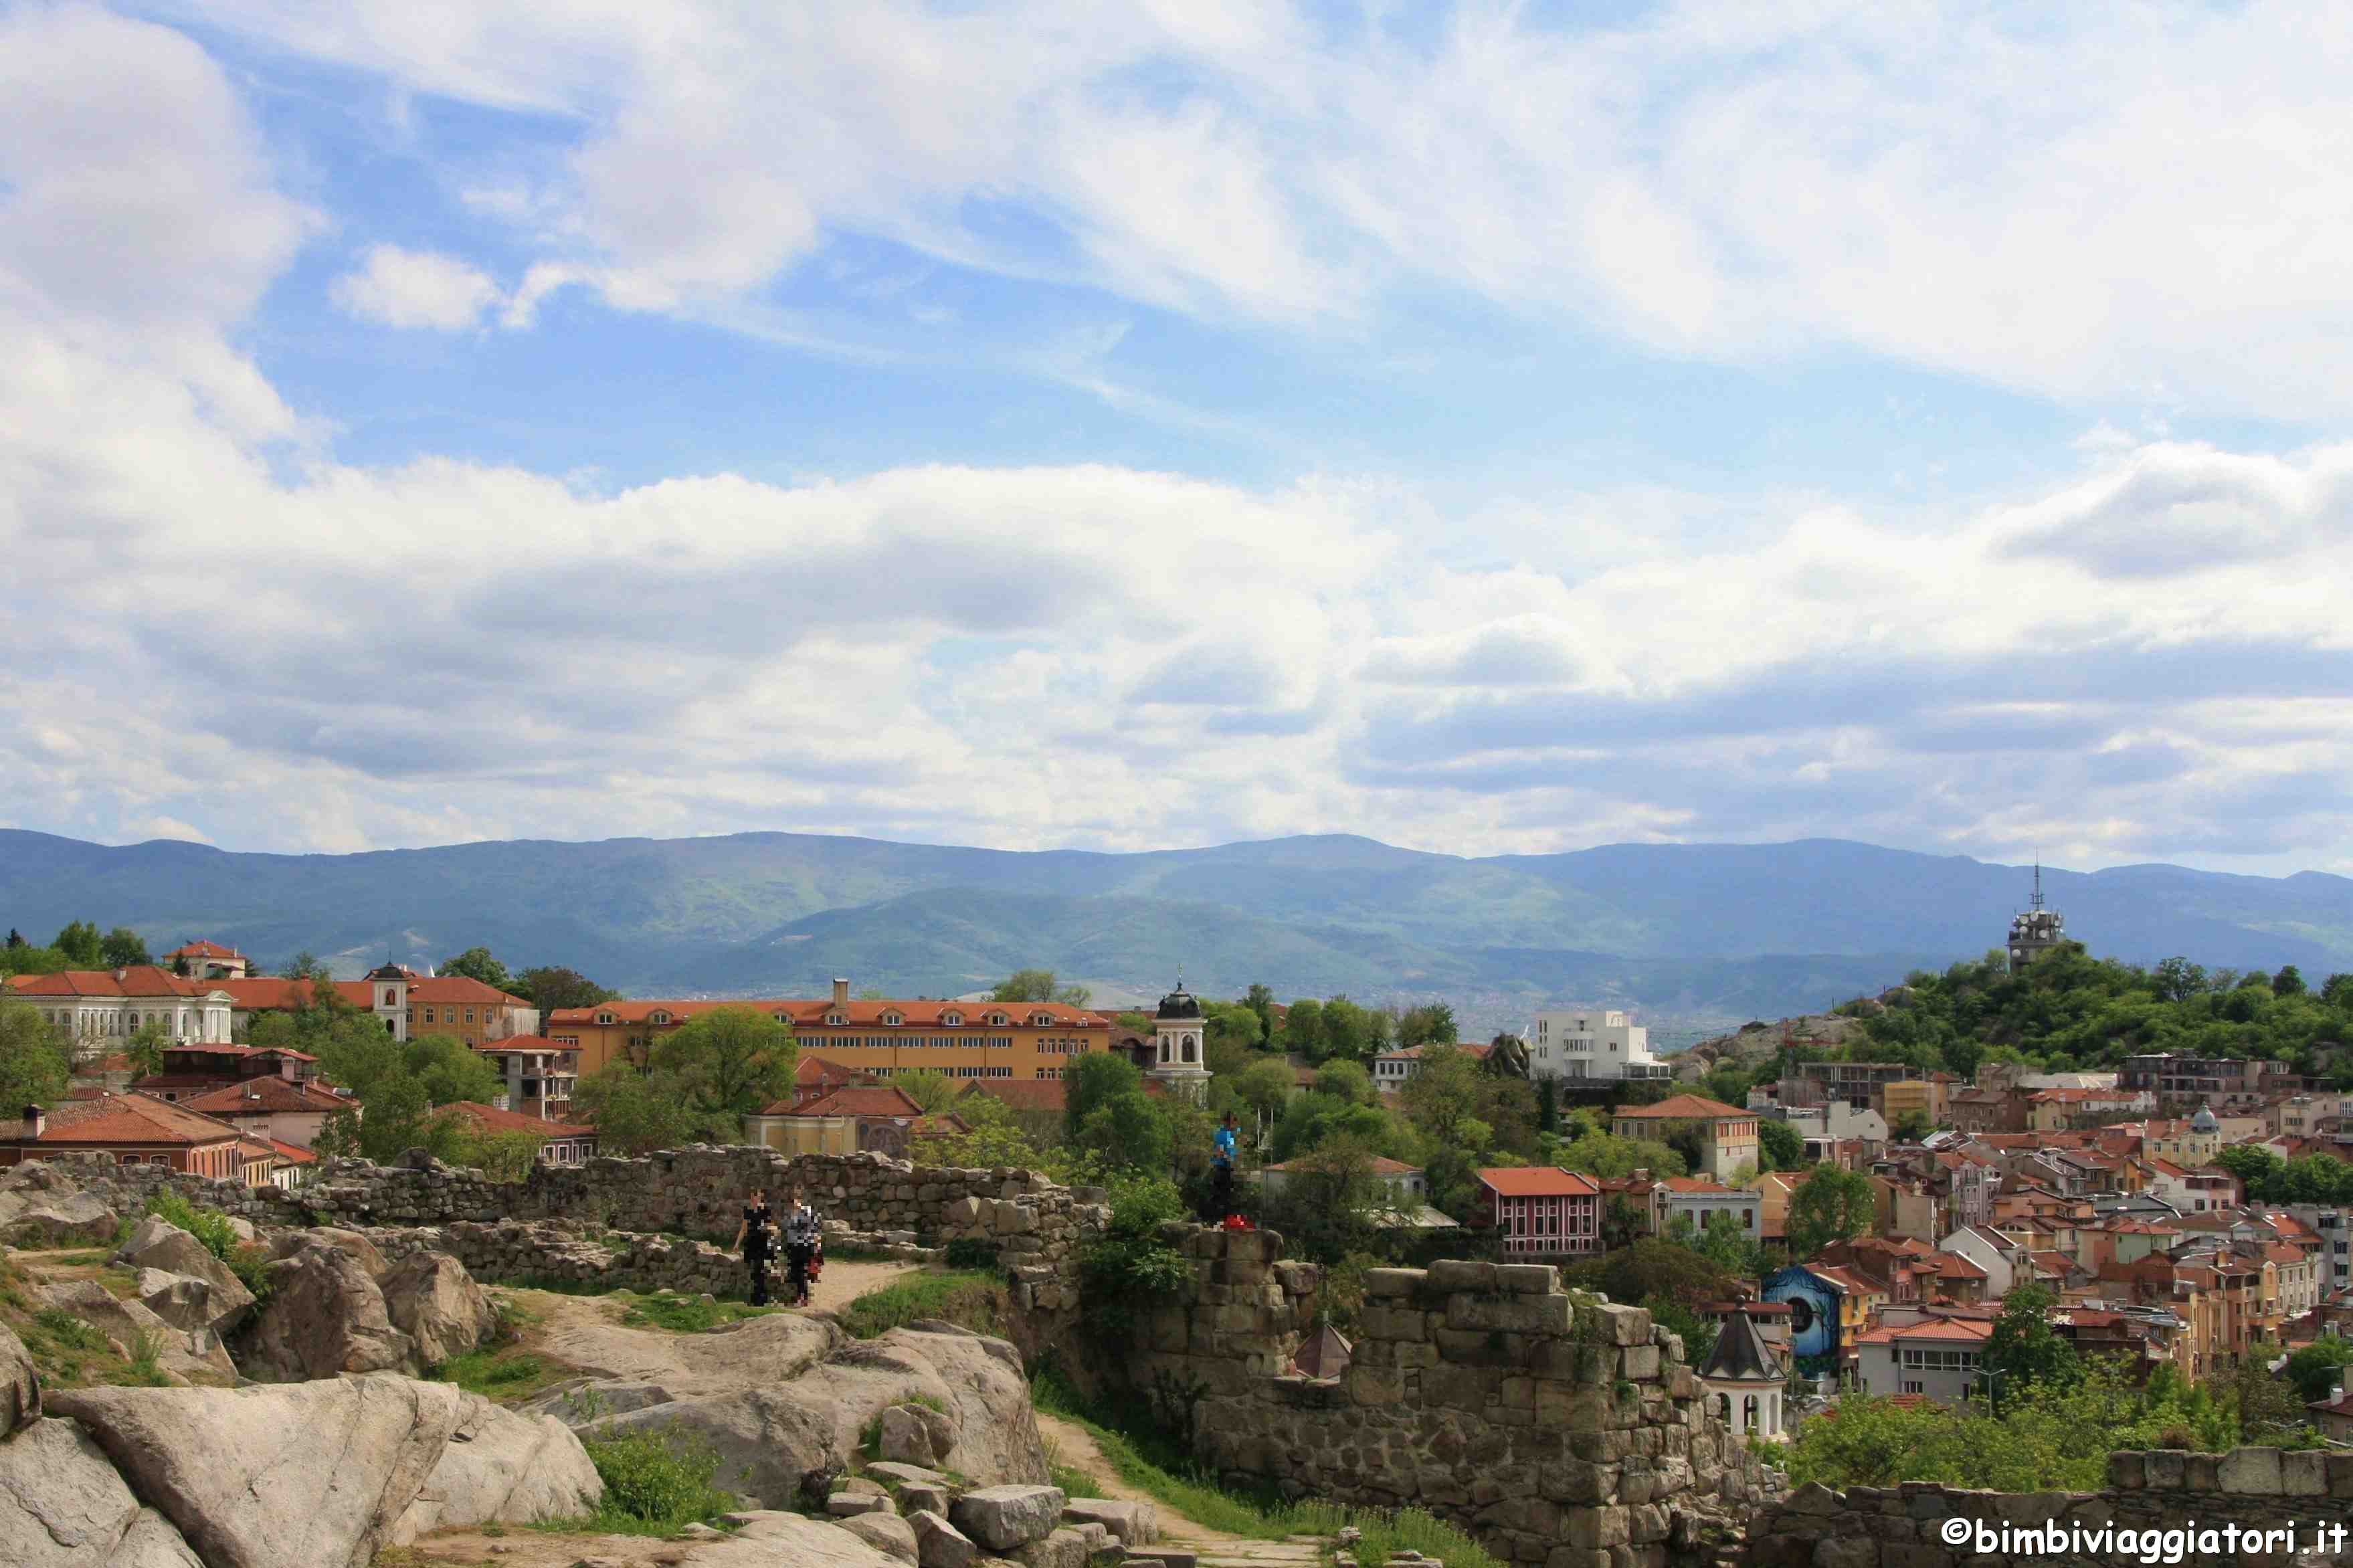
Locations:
(855, 1119)
(1405, 1186)
(1540, 1211)
(97, 1008)
(561, 1142)
(127, 1130)
(538, 1074)
(1698, 1199)
(270, 1109)
(1937, 1358)
(1727, 1135)
(207, 961)
(406, 1003)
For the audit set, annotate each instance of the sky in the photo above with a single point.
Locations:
(1488, 429)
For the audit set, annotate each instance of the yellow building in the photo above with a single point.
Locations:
(1925, 1096)
(886, 1037)
(854, 1119)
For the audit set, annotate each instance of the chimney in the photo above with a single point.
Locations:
(840, 991)
(34, 1122)
(120, 976)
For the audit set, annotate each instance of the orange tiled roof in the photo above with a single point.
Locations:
(135, 980)
(1024, 1093)
(853, 1100)
(440, 988)
(1683, 1107)
(254, 1096)
(862, 1012)
(490, 1119)
(527, 1042)
(1538, 1182)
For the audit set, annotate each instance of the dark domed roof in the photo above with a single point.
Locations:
(1178, 1004)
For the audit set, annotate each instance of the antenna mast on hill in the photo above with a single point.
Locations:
(2037, 879)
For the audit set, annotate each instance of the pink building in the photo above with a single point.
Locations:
(1541, 1211)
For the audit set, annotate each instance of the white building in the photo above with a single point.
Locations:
(1835, 1122)
(1699, 1200)
(1576, 1043)
(1937, 1358)
(97, 1009)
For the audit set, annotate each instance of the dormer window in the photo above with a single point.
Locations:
(784, 1018)
(892, 1020)
(1041, 1020)
(998, 1020)
(836, 1019)
(657, 1016)
(952, 1018)
(604, 1017)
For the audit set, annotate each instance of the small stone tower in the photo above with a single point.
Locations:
(2036, 931)
(1177, 1033)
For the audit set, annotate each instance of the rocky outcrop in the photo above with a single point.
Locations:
(67, 1219)
(20, 1385)
(363, 1251)
(776, 1539)
(63, 1505)
(325, 1316)
(885, 1532)
(1130, 1523)
(503, 1467)
(432, 1299)
(194, 1353)
(181, 1281)
(314, 1475)
(938, 1543)
(773, 1439)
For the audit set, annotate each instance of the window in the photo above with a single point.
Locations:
(604, 1017)
(1041, 1020)
(836, 1019)
(657, 1016)
(997, 1020)
(952, 1018)
(892, 1020)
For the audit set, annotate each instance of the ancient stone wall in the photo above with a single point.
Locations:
(1558, 1427)
(1908, 1526)
(517, 1252)
(1033, 1226)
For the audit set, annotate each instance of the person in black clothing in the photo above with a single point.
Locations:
(755, 1237)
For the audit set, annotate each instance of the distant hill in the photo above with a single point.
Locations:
(1687, 932)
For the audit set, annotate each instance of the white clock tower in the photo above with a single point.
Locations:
(1176, 1036)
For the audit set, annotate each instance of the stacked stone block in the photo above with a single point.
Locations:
(1558, 1427)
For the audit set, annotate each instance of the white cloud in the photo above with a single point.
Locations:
(2105, 201)
(414, 289)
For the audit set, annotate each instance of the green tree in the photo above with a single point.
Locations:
(1261, 1001)
(476, 963)
(1727, 1244)
(1038, 985)
(2314, 1368)
(2260, 1172)
(2287, 981)
(2338, 990)
(301, 966)
(932, 1092)
(1092, 1080)
(552, 986)
(728, 1063)
(1264, 1085)
(633, 1114)
(1346, 1081)
(1828, 1206)
(2023, 1348)
(1128, 1133)
(80, 944)
(123, 947)
(2178, 978)
(1780, 1143)
(144, 1048)
(1911, 1126)
(1302, 1029)
(1430, 1023)
(1347, 1029)
(34, 1060)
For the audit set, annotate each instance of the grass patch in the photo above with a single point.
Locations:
(68, 1331)
(1147, 1458)
(655, 1484)
(973, 1300)
(79, 1259)
(687, 1314)
(500, 1375)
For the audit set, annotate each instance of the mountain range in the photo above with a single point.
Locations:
(1692, 934)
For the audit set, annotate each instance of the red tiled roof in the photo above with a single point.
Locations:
(1699, 1185)
(440, 988)
(138, 980)
(490, 1119)
(527, 1042)
(290, 1153)
(1024, 1093)
(1538, 1182)
(128, 1119)
(275, 994)
(862, 1012)
(1683, 1107)
(254, 1095)
(853, 1100)
(201, 949)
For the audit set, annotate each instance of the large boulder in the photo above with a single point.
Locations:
(774, 1438)
(220, 1302)
(1132, 1523)
(885, 1532)
(916, 1434)
(314, 1475)
(20, 1385)
(502, 1467)
(771, 1540)
(196, 1353)
(938, 1543)
(325, 1316)
(369, 1256)
(1004, 1519)
(433, 1300)
(62, 1505)
(61, 1219)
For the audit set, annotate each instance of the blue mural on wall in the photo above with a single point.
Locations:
(1813, 1303)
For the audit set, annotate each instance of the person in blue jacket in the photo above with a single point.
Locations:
(1221, 1166)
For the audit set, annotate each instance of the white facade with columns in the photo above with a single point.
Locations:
(95, 1009)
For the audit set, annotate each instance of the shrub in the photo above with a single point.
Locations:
(146, 1367)
(68, 1331)
(206, 1225)
(971, 1252)
(655, 1483)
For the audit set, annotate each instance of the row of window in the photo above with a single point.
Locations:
(660, 1017)
(1962, 1360)
(951, 1072)
(126, 1022)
